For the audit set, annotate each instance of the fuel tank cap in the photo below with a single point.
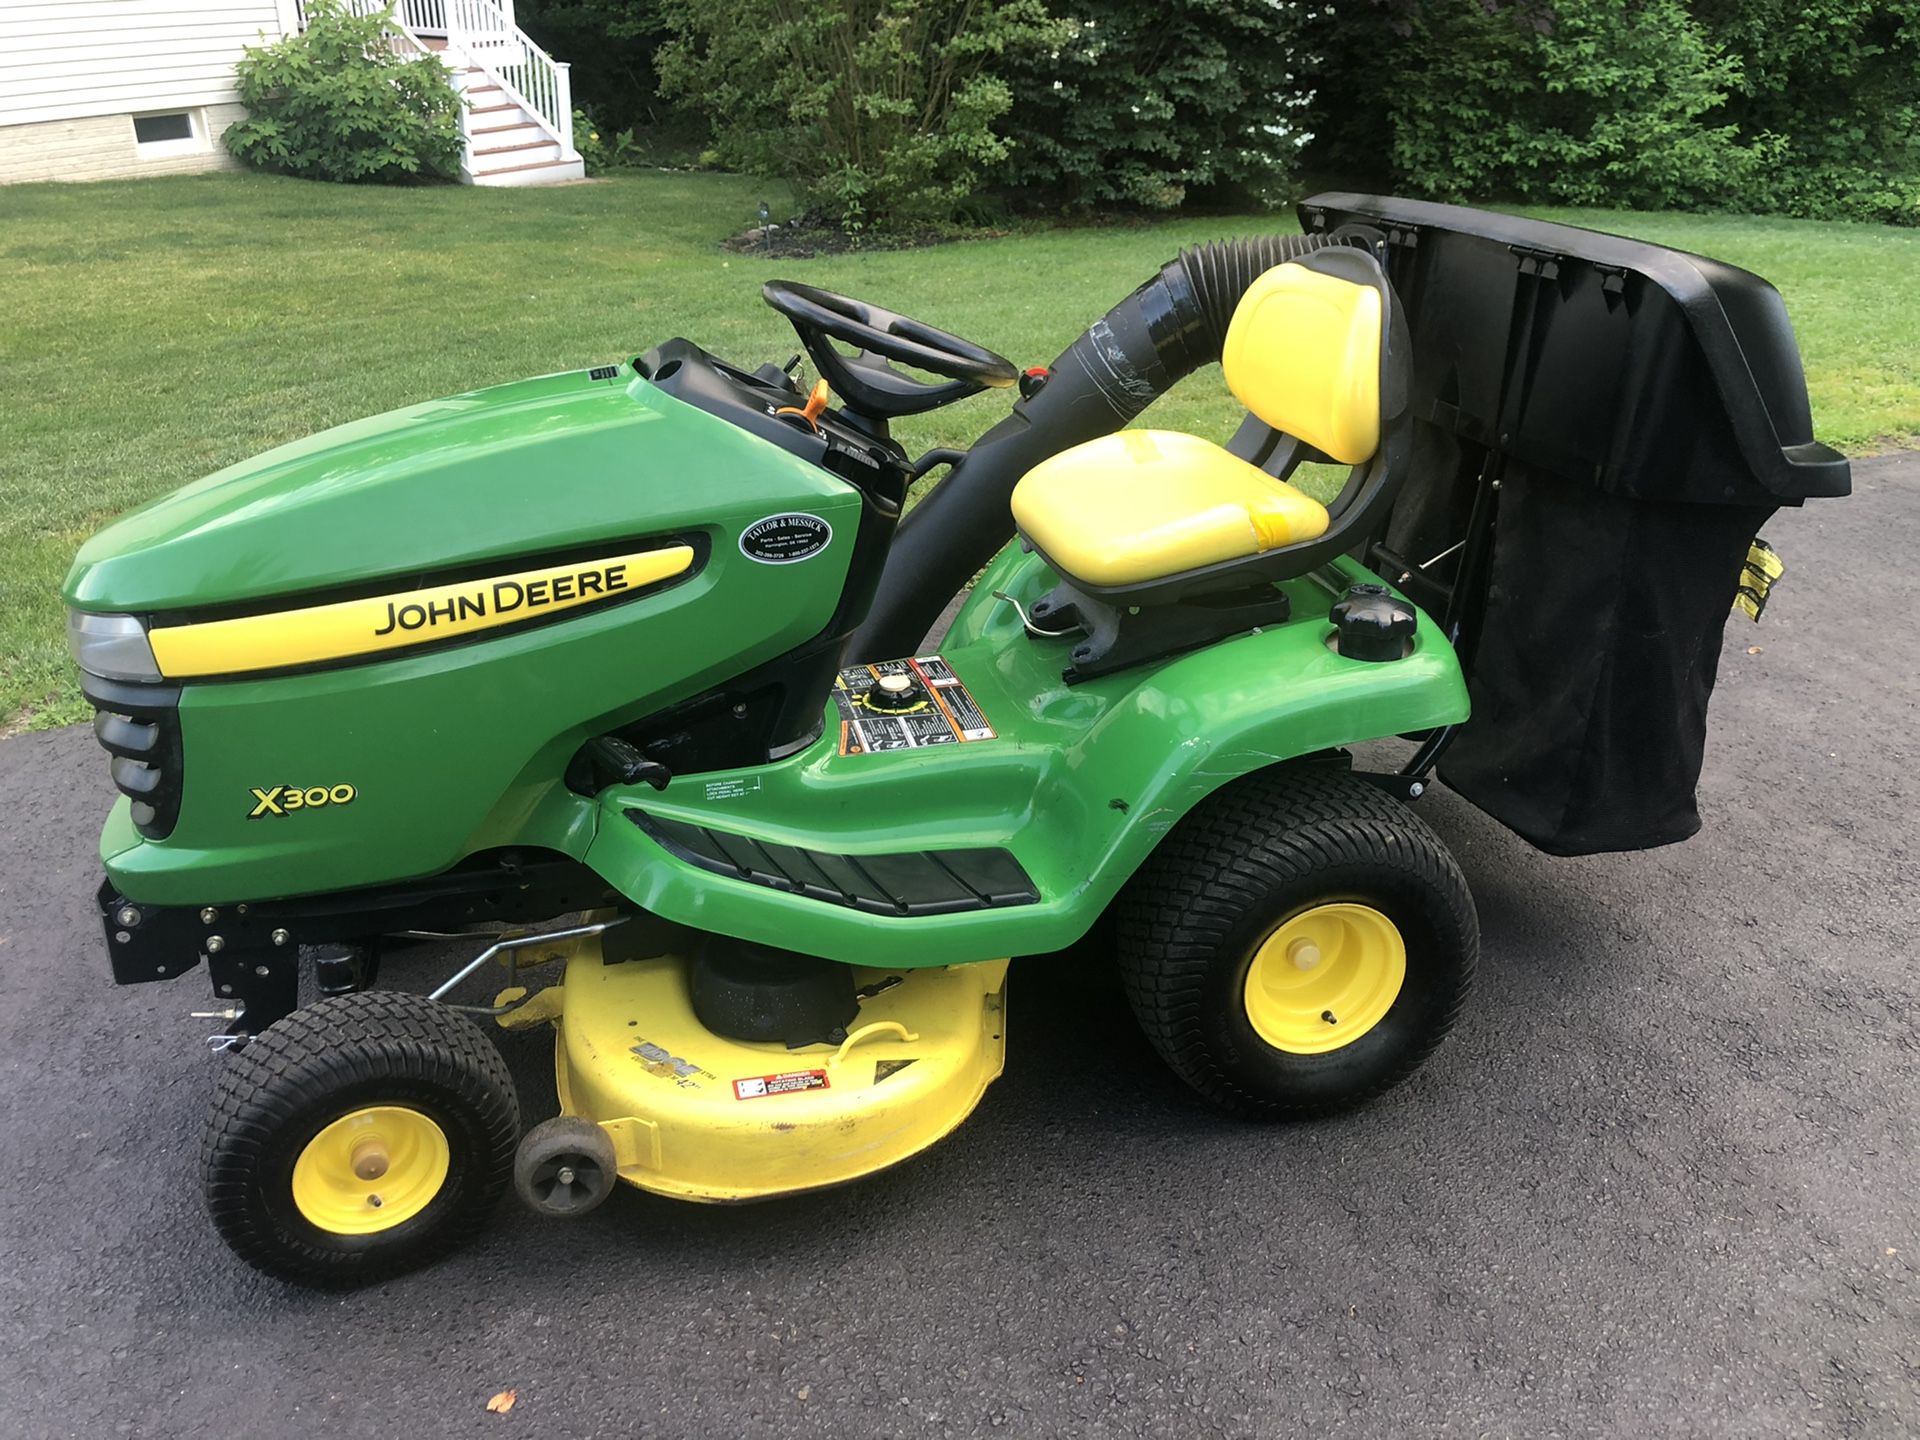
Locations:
(1372, 623)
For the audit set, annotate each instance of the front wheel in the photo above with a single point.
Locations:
(1299, 944)
(359, 1137)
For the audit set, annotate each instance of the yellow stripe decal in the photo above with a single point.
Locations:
(349, 628)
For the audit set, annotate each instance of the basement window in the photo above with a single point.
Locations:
(169, 133)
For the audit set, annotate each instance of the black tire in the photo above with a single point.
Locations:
(1266, 848)
(565, 1168)
(333, 1059)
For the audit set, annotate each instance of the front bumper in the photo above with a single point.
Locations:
(253, 950)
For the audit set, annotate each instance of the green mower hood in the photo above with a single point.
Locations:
(436, 486)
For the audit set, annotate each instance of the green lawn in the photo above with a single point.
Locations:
(152, 331)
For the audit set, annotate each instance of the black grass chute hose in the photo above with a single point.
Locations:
(1136, 352)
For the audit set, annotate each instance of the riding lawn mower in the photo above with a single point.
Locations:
(620, 677)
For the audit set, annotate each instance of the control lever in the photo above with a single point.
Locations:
(628, 765)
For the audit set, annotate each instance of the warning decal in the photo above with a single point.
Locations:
(906, 705)
(792, 1083)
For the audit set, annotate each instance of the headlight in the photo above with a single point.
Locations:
(113, 647)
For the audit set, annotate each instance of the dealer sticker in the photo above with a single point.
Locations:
(794, 1082)
(785, 539)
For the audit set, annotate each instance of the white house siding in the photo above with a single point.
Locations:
(73, 73)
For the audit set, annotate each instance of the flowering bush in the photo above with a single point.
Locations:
(336, 102)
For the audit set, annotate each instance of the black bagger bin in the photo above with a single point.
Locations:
(1603, 427)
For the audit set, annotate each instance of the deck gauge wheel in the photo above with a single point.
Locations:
(565, 1167)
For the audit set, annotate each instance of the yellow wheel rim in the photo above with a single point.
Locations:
(371, 1170)
(1324, 978)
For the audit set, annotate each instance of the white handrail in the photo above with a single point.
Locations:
(483, 31)
(424, 17)
(401, 35)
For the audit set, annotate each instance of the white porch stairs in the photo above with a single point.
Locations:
(516, 119)
(507, 142)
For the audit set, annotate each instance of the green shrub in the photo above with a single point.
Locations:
(880, 113)
(1590, 102)
(336, 103)
(1145, 102)
(1835, 191)
(1803, 107)
(586, 139)
(893, 113)
(671, 145)
(1830, 91)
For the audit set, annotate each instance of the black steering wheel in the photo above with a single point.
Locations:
(866, 381)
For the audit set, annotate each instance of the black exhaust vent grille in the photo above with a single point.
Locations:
(908, 882)
(139, 726)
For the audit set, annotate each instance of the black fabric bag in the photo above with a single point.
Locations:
(1596, 654)
(1602, 428)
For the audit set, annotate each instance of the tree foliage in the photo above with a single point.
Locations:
(892, 112)
(880, 112)
(1148, 102)
(1586, 102)
(1830, 94)
(335, 102)
(610, 44)
(1810, 107)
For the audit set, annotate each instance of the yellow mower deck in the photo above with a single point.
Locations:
(697, 1116)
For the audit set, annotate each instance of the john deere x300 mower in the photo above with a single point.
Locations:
(622, 671)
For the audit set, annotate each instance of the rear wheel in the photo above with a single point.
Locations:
(359, 1137)
(1299, 944)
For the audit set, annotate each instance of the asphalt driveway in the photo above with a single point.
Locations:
(1662, 1181)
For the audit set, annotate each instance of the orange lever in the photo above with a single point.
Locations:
(815, 407)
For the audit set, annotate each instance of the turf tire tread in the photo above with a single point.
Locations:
(1258, 833)
(333, 1046)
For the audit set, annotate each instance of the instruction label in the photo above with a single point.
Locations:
(793, 1082)
(933, 708)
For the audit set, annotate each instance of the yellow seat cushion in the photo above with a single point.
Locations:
(1146, 503)
(1303, 353)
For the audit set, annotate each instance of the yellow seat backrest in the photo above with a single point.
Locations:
(1303, 353)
